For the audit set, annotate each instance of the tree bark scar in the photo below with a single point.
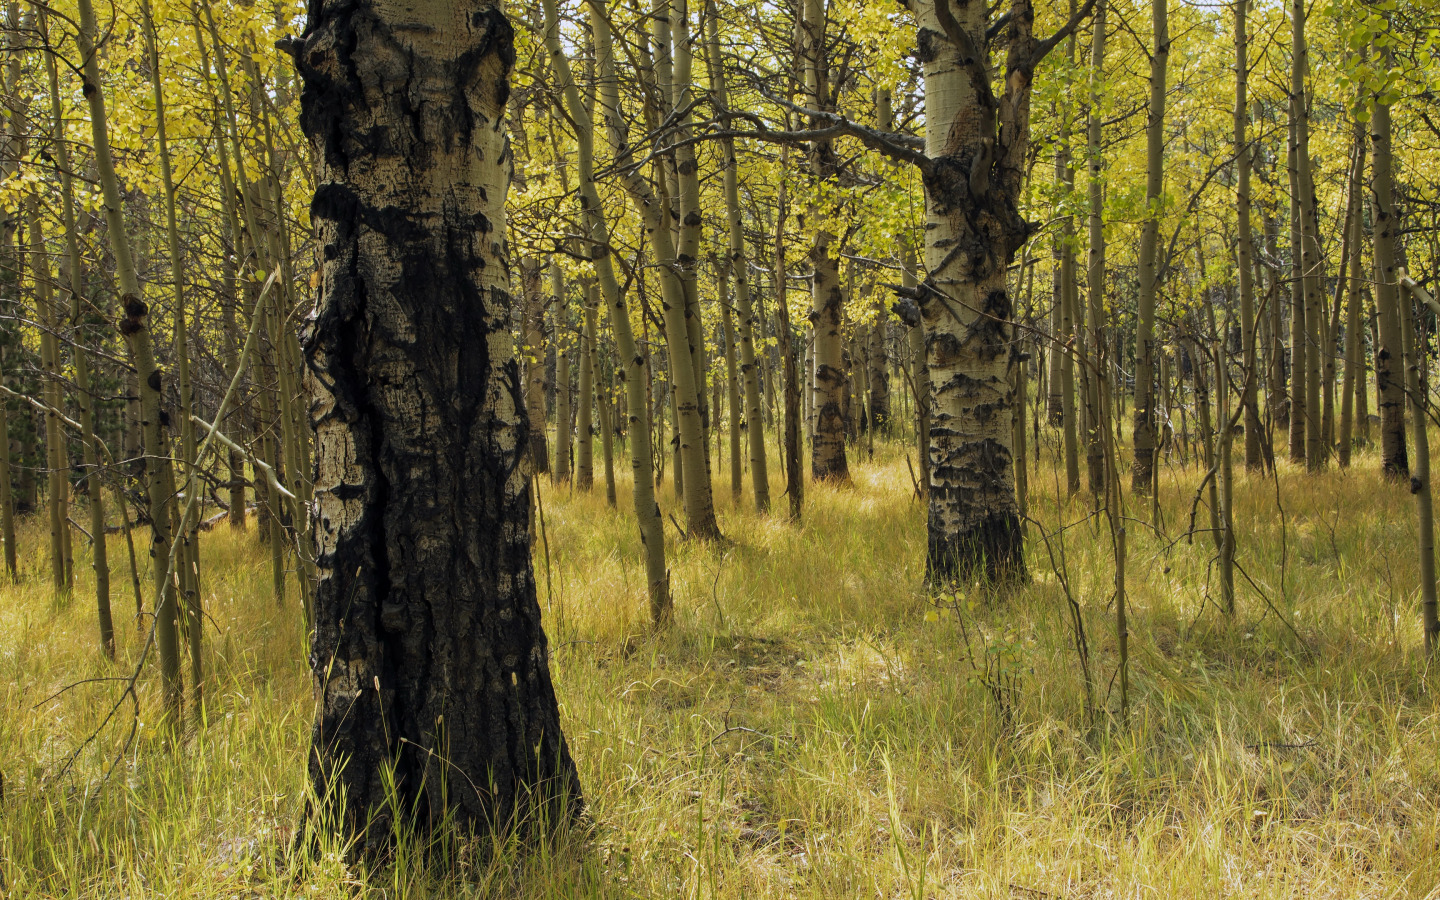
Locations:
(430, 662)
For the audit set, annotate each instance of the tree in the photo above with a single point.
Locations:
(973, 168)
(1143, 472)
(431, 667)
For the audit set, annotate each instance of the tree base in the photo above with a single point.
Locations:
(992, 551)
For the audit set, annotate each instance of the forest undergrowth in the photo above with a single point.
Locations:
(812, 724)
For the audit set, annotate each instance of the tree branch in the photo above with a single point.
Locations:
(1043, 48)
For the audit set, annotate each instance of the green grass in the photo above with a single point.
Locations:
(812, 726)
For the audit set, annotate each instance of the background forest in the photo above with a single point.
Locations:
(1137, 597)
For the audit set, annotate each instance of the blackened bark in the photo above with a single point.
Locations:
(429, 658)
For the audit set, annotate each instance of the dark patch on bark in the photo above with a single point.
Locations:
(973, 482)
(992, 550)
(926, 45)
(429, 655)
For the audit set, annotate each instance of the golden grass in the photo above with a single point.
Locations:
(811, 726)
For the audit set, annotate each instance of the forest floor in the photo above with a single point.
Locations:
(812, 725)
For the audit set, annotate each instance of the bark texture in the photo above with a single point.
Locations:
(972, 229)
(431, 668)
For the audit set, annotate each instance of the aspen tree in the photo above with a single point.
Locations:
(1354, 389)
(135, 326)
(435, 662)
(738, 267)
(1244, 246)
(1389, 356)
(1143, 473)
(94, 488)
(686, 389)
(1309, 241)
(1094, 338)
(637, 379)
(559, 310)
(585, 394)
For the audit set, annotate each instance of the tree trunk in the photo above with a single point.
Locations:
(1244, 248)
(534, 300)
(879, 375)
(637, 379)
(972, 231)
(135, 326)
(94, 489)
(1353, 391)
(56, 487)
(560, 471)
(1298, 368)
(827, 446)
(794, 472)
(1389, 376)
(431, 667)
(1143, 473)
(1309, 247)
(1069, 306)
(1419, 393)
(738, 266)
(1094, 338)
(732, 382)
(585, 394)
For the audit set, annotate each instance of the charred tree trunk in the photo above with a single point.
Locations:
(432, 671)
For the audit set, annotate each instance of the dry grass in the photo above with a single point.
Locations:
(812, 726)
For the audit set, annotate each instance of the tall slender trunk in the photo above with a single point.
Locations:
(560, 471)
(1354, 383)
(1094, 338)
(696, 494)
(1309, 233)
(738, 267)
(1389, 375)
(1244, 247)
(827, 446)
(794, 472)
(94, 488)
(57, 485)
(1070, 306)
(135, 326)
(877, 357)
(732, 380)
(189, 576)
(232, 246)
(1419, 392)
(585, 395)
(429, 657)
(636, 372)
(534, 315)
(1143, 472)
(1298, 368)
(10, 266)
(920, 373)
